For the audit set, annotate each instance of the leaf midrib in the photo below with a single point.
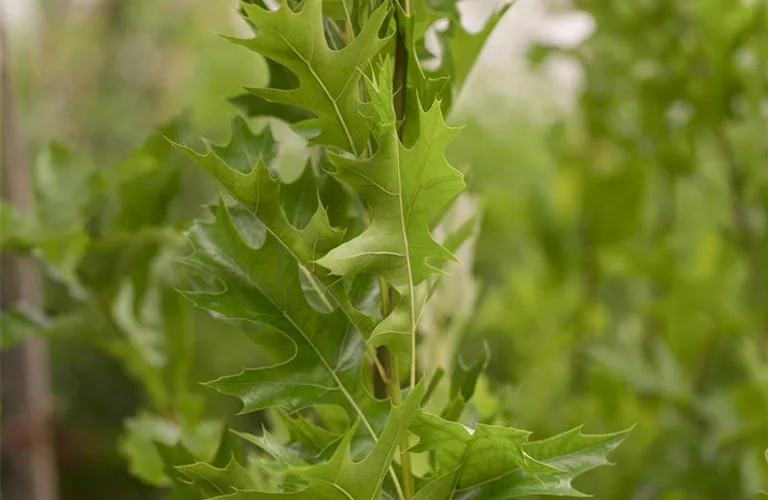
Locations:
(407, 257)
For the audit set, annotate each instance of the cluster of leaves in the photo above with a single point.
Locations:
(330, 274)
(639, 280)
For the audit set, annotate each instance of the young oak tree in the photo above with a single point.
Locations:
(338, 271)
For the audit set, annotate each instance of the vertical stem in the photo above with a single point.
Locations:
(26, 375)
(391, 386)
(405, 456)
(387, 293)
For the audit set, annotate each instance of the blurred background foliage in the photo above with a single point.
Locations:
(618, 276)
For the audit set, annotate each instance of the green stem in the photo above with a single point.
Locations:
(405, 456)
(400, 91)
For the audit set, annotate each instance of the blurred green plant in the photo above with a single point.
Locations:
(107, 251)
(622, 261)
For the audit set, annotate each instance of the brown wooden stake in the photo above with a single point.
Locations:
(25, 383)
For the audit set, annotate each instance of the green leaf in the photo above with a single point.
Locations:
(404, 188)
(494, 462)
(210, 481)
(264, 196)
(474, 456)
(342, 479)
(260, 283)
(572, 452)
(328, 79)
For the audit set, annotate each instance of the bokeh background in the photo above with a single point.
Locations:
(616, 150)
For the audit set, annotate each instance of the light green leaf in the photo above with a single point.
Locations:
(210, 481)
(474, 456)
(572, 452)
(328, 79)
(404, 188)
(494, 462)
